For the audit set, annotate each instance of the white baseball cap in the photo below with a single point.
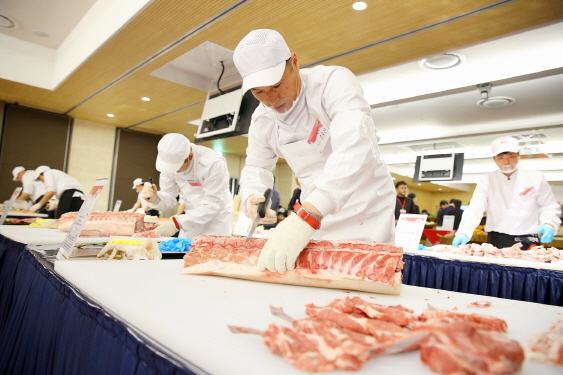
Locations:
(137, 182)
(504, 144)
(260, 58)
(40, 170)
(16, 171)
(173, 150)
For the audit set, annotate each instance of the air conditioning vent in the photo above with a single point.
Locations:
(431, 146)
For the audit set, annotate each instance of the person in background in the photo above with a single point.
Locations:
(282, 214)
(445, 209)
(62, 186)
(424, 212)
(412, 196)
(295, 198)
(457, 212)
(318, 120)
(141, 203)
(519, 203)
(32, 190)
(403, 204)
(203, 177)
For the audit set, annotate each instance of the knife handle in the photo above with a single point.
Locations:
(262, 207)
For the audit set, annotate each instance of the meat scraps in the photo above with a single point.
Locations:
(547, 346)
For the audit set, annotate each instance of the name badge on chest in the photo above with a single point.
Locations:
(318, 137)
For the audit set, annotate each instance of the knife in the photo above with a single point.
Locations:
(262, 207)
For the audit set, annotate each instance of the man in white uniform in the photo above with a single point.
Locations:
(317, 120)
(141, 203)
(62, 186)
(519, 203)
(202, 176)
(32, 189)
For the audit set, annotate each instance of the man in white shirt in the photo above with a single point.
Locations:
(32, 190)
(202, 176)
(62, 186)
(141, 203)
(318, 120)
(519, 203)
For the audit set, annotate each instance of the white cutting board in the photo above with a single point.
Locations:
(189, 314)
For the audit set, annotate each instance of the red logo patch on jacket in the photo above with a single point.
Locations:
(195, 184)
(527, 190)
(315, 132)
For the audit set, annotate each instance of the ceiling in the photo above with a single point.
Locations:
(384, 38)
(57, 18)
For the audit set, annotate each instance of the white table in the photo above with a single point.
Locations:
(188, 314)
(50, 236)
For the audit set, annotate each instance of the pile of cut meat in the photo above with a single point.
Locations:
(346, 333)
(102, 224)
(535, 254)
(547, 346)
(363, 266)
(26, 221)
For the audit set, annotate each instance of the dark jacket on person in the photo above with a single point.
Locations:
(442, 212)
(403, 203)
(457, 213)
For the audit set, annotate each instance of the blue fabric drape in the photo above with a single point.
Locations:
(518, 283)
(45, 328)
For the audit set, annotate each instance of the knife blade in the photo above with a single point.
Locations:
(262, 207)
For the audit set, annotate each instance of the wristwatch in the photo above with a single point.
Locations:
(313, 219)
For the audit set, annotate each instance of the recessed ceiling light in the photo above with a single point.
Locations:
(419, 184)
(40, 33)
(7, 23)
(442, 61)
(145, 99)
(488, 101)
(110, 115)
(439, 188)
(359, 5)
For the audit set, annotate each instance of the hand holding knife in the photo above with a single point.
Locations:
(262, 207)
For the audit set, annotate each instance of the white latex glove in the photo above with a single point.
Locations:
(149, 192)
(252, 208)
(131, 252)
(284, 245)
(167, 228)
(35, 207)
(129, 210)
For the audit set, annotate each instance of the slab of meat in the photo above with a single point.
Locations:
(536, 254)
(482, 322)
(94, 233)
(21, 221)
(395, 314)
(115, 223)
(364, 266)
(547, 346)
(459, 348)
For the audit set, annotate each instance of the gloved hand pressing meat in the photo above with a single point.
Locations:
(547, 233)
(130, 252)
(252, 208)
(167, 228)
(149, 192)
(284, 245)
(460, 239)
(36, 207)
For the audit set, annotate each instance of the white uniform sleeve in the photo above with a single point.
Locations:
(213, 196)
(550, 211)
(167, 193)
(474, 212)
(256, 176)
(354, 143)
(50, 183)
(28, 186)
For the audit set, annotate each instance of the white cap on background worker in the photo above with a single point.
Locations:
(39, 170)
(173, 150)
(504, 144)
(137, 182)
(16, 171)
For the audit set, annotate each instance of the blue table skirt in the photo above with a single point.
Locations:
(45, 328)
(518, 283)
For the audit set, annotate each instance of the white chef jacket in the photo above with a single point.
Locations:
(205, 186)
(34, 188)
(142, 201)
(516, 206)
(59, 182)
(346, 180)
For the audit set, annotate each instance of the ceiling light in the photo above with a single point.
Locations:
(488, 101)
(439, 188)
(442, 61)
(110, 115)
(40, 33)
(419, 184)
(7, 23)
(145, 99)
(359, 5)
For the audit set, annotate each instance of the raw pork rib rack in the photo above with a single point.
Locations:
(114, 223)
(363, 266)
